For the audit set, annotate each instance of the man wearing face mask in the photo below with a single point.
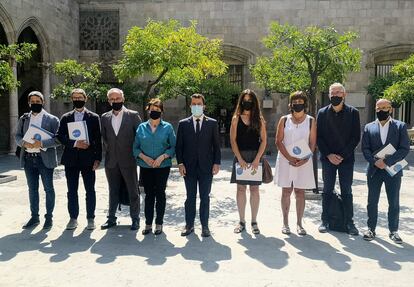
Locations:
(338, 134)
(198, 157)
(118, 128)
(38, 158)
(80, 157)
(378, 134)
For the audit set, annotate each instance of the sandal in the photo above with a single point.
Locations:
(286, 230)
(255, 229)
(158, 229)
(240, 227)
(147, 230)
(301, 230)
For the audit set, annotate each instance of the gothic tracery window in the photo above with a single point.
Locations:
(99, 30)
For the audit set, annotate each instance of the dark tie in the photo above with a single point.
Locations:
(197, 126)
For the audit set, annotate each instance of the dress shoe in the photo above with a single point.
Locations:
(395, 237)
(158, 229)
(187, 231)
(91, 224)
(147, 230)
(324, 227)
(108, 224)
(369, 235)
(205, 232)
(351, 229)
(48, 223)
(135, 224)
(33, 222)
(72, 224)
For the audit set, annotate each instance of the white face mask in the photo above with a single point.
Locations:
(197, 110)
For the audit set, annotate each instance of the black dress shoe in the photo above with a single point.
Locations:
(33, 221)
(187, 231)
(48, 223)
(108, 224)
(205, 232)
(351, 229)
(135, 224)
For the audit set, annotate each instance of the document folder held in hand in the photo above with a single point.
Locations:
(395, 168)
(299, 149)
(249, 173)
(36, 133)
(385, 151)
(78, 131)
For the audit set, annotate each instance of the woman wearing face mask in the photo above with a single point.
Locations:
(154, 147)
(248, 142)
(293, 173)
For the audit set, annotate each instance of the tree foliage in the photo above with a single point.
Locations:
(170, 55)
(79, 75)
(8, 53)
(310, 59)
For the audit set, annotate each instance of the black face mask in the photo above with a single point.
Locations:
(246, 105)
(383, 115)
(36, 108)
(117, 106)
(155, 115)
(78, 104)
(298, 107)
(335, 100)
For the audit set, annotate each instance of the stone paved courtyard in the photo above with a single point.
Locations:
(119, 257)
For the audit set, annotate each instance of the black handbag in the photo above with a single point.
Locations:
(336, 214)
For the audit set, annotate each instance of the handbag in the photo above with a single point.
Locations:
(267, 172)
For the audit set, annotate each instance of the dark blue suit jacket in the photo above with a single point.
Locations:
(78, 157)
(198, 153)
(371, 144)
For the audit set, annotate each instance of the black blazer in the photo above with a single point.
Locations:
(198, 152)
(371, 144)
(79, 157)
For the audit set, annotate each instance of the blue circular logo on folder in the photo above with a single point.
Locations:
(397, 167)
(37, 137)
(297, 150)
(239, 170)
(76, 133)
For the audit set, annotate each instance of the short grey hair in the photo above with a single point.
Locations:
(37, 94)
(334, 85)
(115, 90)
(78, 91)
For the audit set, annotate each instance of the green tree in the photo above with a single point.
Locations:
(169, 55)
(379, 84)
(310, 59)
(402, 88)
(79, 75)
(8, 53)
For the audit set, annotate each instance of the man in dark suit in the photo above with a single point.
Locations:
(118, 128)
(377, 135)
(80, 157)
(338, 134)
(198, 157)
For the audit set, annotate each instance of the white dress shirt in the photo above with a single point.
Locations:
(116, 120)
(195, 122)
(35, 120)
(384, 130)
(79, 115)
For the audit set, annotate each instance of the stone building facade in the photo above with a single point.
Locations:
(94, 30)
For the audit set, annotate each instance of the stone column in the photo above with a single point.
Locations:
(13, 109)
(46, 84)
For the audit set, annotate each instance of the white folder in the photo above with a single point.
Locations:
(37, 133)
(385, 151)
(395, 168)
(78, 131)
(299, 149)
(249, 173)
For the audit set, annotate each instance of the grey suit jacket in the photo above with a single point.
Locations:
(118, 148)
(49, 123)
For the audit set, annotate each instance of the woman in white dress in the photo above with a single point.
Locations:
(293, 173)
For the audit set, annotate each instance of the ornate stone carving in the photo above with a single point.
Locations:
(99, 30)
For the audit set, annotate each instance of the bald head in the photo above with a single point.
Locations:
(383, 104)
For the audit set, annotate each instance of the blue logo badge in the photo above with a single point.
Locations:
(239, 171)
(297, 150)
(37, 137)
(397, 167)
(76, 133)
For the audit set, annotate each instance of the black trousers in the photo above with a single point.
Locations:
(72, 181)
(154, 181)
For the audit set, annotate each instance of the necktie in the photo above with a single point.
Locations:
(197, 126)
